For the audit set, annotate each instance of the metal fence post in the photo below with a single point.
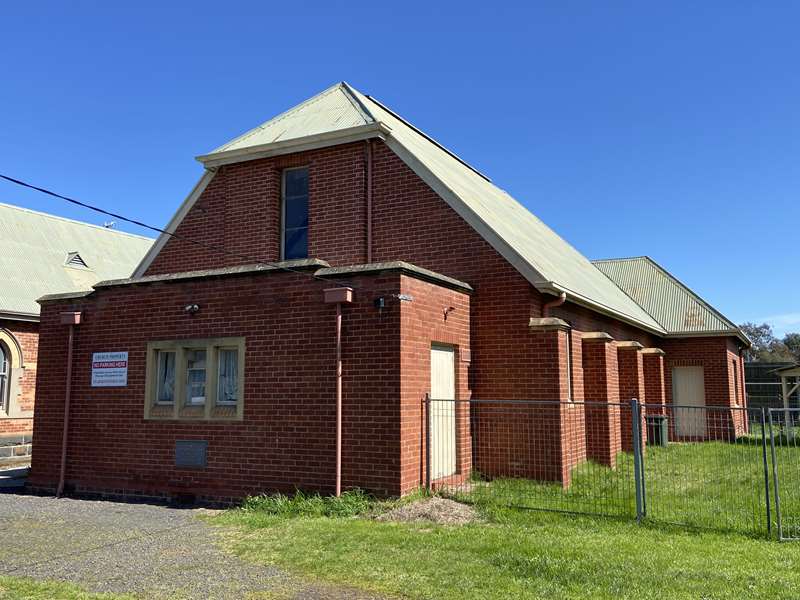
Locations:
(775, 477)
(637, 458)
(428, 442)
(766, 470)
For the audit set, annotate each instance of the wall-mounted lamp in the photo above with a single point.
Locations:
(447, 311)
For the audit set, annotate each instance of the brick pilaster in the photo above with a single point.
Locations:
(654, 386)
(601, 391)
(631, 385)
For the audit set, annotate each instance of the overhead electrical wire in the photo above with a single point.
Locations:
(176, 236)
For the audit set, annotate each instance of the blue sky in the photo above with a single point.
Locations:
(630, 128)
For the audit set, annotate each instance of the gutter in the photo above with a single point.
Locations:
(309, 142)
(554, 288)
(12, 315)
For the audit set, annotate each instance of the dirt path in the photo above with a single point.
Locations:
(151, 551)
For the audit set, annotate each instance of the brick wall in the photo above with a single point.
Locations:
(26, 335)
(240, 211)
(719, 357)
(287, 437)
(423, 323)
(410, 222)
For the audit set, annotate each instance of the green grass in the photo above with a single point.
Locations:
(349, 504)
(711, 485)
(17, 588)
(517, 553)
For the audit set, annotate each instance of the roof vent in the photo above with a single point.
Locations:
(74, 260)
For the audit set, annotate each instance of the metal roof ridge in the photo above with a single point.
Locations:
(418, 131)
(620, 259)
(73, 221)
(352, 94)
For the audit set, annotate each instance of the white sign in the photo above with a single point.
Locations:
(109, 369)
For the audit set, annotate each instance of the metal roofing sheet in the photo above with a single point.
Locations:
(34, 247)
(330, 110)
(677, 308)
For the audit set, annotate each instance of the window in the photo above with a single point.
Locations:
(228, 379)
(294, 235)
(735, 368)
(165, 387)
(4, 380)
(195, 379)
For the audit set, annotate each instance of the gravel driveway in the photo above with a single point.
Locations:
(151, 551)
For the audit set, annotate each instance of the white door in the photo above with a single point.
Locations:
(443, 412)
(689, 390)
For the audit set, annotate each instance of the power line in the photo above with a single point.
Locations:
(176, 236)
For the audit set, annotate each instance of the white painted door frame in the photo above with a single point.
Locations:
(443, 414)
(688, 390)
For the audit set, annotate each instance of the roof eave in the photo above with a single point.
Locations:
(13, 315)
(310, 142)
(506, 250)
(717, 333)
(554, 288)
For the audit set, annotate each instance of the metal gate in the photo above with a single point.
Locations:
(784, 431)
(705, 467)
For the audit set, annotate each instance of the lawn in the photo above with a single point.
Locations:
(519, 553)
(713, 485)
(18, 588)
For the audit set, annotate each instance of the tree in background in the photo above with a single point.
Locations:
(792, 343)
(767, 348)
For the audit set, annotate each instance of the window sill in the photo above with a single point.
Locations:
(193, 413)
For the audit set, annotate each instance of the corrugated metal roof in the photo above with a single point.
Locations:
(676, 308)
(544, 258)
(330, 110)
(35, 248)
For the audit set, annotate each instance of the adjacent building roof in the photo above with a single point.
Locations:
(43, 254)
(676, 308)
(341, 114)
(788, 371)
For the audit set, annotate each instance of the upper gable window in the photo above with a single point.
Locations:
(294, 237)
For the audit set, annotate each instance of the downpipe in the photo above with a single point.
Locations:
(338, 296)
(72, 319)
(562, 298)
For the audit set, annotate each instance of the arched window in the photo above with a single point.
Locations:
(5, 371)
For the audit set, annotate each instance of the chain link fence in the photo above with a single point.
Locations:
(708, 467)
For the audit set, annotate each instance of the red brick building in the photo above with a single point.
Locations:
(42, 254)
(230, 379)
